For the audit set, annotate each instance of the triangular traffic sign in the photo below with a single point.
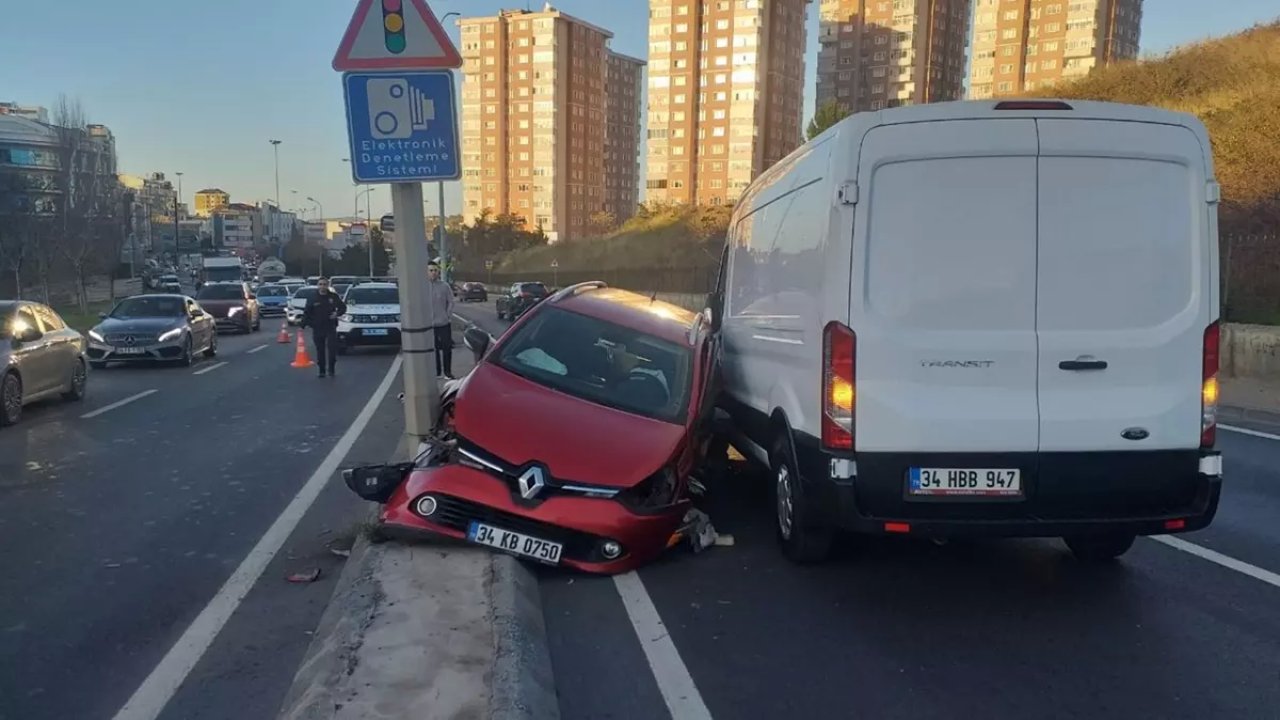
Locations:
(395, 35)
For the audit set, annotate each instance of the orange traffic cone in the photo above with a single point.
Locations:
(300, 358)
(283, 337)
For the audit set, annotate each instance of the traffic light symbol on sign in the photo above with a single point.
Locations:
(393, 25)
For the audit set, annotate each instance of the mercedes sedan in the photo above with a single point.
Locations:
(153, 327)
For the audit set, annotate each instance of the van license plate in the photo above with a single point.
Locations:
(964, 482)
(515, 543)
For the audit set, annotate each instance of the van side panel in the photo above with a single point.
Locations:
(1123, 261)
(943, 290)
(773, 305)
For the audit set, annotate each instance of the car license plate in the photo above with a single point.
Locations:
(377, 331)
(130, 350)
(965, 482)
(515, 543)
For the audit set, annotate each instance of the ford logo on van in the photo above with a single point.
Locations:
(957, 363)
(1135, 433)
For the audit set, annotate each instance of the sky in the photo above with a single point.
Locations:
(201, 87)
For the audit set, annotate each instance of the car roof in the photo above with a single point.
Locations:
(633, 310)
(377, 286)
(7, 306)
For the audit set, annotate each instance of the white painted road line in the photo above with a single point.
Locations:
(209, 369)
(1218, 558)
(114, 405)
(674, 682)
(260, 348)
(1247, 431)
(155, 692)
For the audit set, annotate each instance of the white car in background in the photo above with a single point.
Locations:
(297, 303)
(372, 317)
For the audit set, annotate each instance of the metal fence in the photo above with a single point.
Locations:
(1250, 276)
(694, 279)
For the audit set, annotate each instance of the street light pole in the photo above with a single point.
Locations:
(368, 231)
(446, 268)
(323, 243)
(275, 145)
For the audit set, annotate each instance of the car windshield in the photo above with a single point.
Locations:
(305, 293)
(537, 289)
(149, 307)
(169, 278)
(601, 362)
(341, 289)
(373, 296)
(272, 291)
(221, 292)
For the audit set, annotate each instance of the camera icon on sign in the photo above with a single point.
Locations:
(397, 109)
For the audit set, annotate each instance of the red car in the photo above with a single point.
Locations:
(577, 434)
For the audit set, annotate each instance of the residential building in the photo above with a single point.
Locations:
(877, 54)
(209, 200)
(154, 198)
(29, 162)
(273, 226)
(31, 112)
(726, 88)
(624, 83)
(314, 232)
(1026, 46)
(232, 226)
(534, 118)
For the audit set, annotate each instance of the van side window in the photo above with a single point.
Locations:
(779, 250)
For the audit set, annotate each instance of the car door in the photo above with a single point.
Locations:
(32, 357)
(61, 342)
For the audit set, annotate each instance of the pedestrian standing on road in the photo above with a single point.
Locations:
(321, 315)
(441, 320)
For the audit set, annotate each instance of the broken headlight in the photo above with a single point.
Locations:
(656, 492)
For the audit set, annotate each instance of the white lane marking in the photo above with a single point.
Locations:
(160, 686)
(260, 348)
(1218, 558)
(1247, 431)
(674, 682)
(114, 405)
(209, 369)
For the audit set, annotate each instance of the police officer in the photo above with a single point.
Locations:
(321, 315)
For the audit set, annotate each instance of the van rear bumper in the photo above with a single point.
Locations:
(1142, 493)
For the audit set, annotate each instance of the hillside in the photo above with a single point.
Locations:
(1233, 85)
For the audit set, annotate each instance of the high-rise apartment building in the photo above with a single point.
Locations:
(210, 199)
(876, 54)
(726, 89)
(1023, 46)
(624, 97)
(535, 108)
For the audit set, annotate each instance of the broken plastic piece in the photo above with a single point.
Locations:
(306, 576)
(698, 529)
(724, 541)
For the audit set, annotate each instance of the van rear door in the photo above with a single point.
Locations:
(1124, 275)
(943, 288)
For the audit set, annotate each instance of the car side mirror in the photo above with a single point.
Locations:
(102, 316)
(252, 296)
(477, 340)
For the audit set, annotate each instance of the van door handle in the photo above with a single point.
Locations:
(1082, 365)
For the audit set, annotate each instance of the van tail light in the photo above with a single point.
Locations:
(839, 371)
(1209, 388)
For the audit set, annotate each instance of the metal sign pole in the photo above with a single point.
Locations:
(421, 394)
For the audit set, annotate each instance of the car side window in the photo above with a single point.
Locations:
(26, 318)
(50, 319)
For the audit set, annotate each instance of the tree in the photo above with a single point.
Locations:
(88, 185)
(601, 223)
(828, 114)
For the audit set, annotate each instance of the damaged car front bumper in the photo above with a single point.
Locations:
(592, 534)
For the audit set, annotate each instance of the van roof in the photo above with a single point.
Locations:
(1078, 110)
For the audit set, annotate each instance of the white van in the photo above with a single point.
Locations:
(980, 318)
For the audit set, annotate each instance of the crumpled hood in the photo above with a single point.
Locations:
(577, 440)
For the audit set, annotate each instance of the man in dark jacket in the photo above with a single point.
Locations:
(321, 315)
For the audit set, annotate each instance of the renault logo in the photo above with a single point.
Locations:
(531, 482)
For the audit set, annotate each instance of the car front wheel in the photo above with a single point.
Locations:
(79, 380)
(10, 399)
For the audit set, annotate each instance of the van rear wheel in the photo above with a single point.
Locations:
(803, 538)
(1099, 548)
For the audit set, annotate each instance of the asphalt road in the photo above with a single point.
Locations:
(118, 528)
(900, 628)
